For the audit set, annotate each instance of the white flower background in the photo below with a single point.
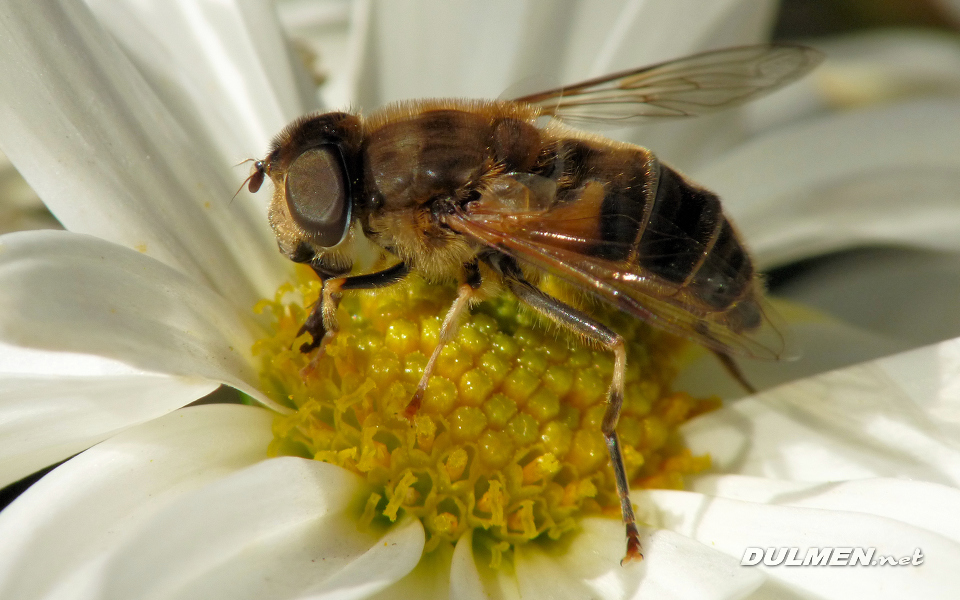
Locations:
(127, 118)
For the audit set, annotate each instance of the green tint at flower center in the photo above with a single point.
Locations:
(507, 440)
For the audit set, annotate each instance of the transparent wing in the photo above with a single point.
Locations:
(694, 85)
(543, 241)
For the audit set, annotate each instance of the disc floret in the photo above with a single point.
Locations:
(507, 442)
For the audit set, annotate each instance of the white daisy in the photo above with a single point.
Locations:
(145, 305)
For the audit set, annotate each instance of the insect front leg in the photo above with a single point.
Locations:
(573, 320)
(322, 322)
(451, 322)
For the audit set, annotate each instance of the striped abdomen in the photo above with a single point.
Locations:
(649, 216)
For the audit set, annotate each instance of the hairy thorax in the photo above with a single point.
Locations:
(426, 156)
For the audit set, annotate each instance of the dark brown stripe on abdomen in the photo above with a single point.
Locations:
(726, 273)
(680, 228)
(621, 216)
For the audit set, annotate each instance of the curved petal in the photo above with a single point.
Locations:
(732, 526)
(924, 505)
(815, 343)
(65, 524)
(645, 32)
(430, 578)
(893, 417)
(17, 361)
(471, 580)
(388, 560)
(887, 175)
(873, 66)
(225, 65)
(673, 567)
(433, 48)
(109, 159)
(44, 420)
(20, 207)
(65, 291)
(912, 293)
(439, 49)
(279, 528)
(436, 48)
(466, 582)
(331, 32)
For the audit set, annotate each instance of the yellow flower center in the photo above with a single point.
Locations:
(507, 441)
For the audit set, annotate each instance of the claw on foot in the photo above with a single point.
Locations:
(633, 547)
(633, 555)
(311, 367)
(411, 411)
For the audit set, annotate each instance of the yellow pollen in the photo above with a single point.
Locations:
(507, 442)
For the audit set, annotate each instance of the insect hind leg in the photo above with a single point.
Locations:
(573, 320)
(734, 370)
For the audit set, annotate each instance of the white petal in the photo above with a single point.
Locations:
(20, 207)
(673, 567)
(472, 580)
(450, 49)
(278, 528)
(465, 579)
(65, 522)
(894, 417)
(65, 291)
(225, 63)
(108, 158)
(433, 48)
(334, 32)
(44, 420)
(430, 579)
(19, 361)
(732, 526)
(816, 343)
(912, 293)
(678, 567)
(925, 505)
(643, 32)
(870, 67)
(387, 561)
(889, 175)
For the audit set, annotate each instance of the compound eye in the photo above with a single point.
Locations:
(317, 195)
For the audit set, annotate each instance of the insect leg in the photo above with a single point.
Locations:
(322, 322)
(733, 369)
(451, 322)
(573, 320)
